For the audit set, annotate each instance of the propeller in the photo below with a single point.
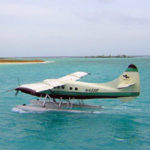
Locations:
(10, 90)
(17, 91)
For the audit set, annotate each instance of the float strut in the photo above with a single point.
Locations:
(70, 103)
(54, 102)
(60, 102)
(44, 103)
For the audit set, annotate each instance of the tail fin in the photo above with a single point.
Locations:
(128, 84)
(129, 77)
(129, 81)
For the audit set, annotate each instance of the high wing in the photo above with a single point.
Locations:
(49, 84)
(42, 86)
(74, 76)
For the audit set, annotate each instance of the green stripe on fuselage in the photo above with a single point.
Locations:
(119, 94)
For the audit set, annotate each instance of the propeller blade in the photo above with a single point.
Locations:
(16, 92)
(10, 90)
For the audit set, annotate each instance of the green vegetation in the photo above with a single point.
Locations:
(103, 56)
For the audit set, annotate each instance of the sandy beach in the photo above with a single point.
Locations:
(21, 63)
(15, 61)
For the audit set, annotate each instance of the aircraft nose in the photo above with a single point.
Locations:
(26, 90)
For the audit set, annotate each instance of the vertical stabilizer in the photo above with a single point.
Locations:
(129, 81)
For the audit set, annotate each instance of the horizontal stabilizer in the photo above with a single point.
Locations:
(123, 85)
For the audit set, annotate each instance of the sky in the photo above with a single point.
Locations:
(74, 27)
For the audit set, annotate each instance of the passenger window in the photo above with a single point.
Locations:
(70, 88)
(76, 88)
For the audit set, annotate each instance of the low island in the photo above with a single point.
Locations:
(109, 56)
(19, 61)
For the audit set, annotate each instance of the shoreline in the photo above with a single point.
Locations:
(21, 62)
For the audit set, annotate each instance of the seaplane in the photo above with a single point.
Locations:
(58, 94)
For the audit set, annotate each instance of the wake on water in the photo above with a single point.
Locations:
(20, 110)
(121, 109)
(15, 109)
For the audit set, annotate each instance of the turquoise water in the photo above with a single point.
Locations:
(118, 125)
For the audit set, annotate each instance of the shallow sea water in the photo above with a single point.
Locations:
(117, 125)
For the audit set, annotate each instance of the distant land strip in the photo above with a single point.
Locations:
(3, 61)
(109, 56)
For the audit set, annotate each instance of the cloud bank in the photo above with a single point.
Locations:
(73, 27)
